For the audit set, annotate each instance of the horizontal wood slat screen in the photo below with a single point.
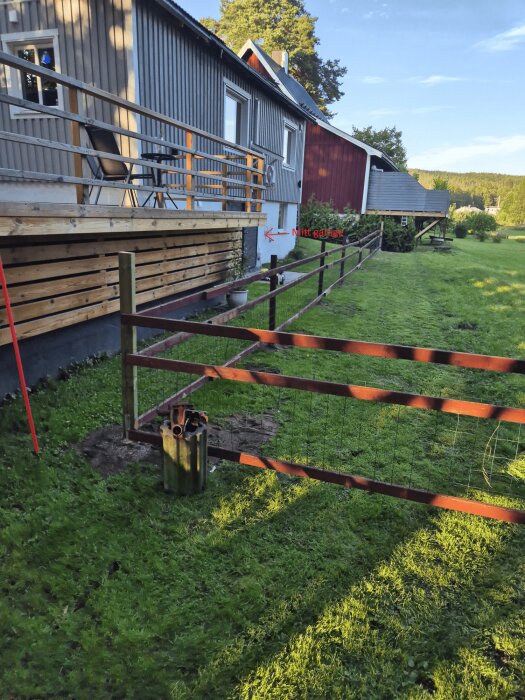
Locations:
(61, 281)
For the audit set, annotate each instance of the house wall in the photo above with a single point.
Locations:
(402, 192)
(334, 169)
(183, 77)
(95, 45)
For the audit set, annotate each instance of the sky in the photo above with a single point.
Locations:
(450, 74)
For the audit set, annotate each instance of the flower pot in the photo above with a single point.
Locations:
(237, 297)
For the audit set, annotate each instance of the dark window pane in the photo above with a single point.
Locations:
(29, 81)
(46, 58)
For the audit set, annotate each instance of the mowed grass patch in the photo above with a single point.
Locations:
(276, 588)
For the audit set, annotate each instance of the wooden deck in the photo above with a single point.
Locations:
(61, 261)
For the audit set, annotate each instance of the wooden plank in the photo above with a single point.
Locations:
(50, 323)
(81, 190)
(189, 170)
(75, 249)
(39, 226)
(423, 214)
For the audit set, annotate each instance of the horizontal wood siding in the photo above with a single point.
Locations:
(334, 169)
(182, 77)
(60, 281)
(95, 45)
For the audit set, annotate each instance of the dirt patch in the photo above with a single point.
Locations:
(241, 432)
(467, 326)
(109, 453)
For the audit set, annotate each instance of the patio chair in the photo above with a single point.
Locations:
(108, 170)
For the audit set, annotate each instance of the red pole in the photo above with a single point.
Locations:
(3, 284)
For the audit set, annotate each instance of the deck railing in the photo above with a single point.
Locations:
(201, 166)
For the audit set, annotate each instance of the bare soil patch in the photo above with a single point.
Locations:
(109, 453)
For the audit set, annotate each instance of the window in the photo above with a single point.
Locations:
(283, 211)
(41, 49)
(236, 103)
(255, 122)
(289, 143)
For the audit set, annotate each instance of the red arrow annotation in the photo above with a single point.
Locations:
(269, 235)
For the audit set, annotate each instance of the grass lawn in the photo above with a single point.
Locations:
(267, 587)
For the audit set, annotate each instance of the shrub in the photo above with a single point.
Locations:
(460, 230)
(397, 238)
(481, 235)
(481, 223)
(319, 215)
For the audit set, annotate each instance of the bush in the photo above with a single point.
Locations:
(319, 215)
(481, 223)
(397, 238)
(481, 235)
(460, 230)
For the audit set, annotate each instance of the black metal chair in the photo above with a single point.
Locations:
(106, 169)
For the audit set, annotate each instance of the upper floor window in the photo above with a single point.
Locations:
(236, 114)
(41, 49)
(289, 145)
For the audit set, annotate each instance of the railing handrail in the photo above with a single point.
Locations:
(22, 65)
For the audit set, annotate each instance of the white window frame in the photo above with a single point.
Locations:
(33, 39)
(232, 90)
(292, 133)
(256, 120)
(283, 208)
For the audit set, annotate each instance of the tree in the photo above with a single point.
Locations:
(513, 208)
(440, 183)
(480, 222)
(283, 25)
(387, 140)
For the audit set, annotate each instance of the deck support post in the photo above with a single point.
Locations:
(81, 190)
(128, 341)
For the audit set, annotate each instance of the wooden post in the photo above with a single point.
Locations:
(248, 191)
(225, 186)
(343, 258)
(381, 234)
(321, 271)
(260, 182)
(128, 341)
(82, 190)
(273, 301)
(189, 166)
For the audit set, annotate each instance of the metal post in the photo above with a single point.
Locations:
(273, 301)
(343, 257)
(321, 271)
(128, 341)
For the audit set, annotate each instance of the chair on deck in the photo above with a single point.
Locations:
(108, 170)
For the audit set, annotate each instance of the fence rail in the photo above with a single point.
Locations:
(197, 165)
(135, 424)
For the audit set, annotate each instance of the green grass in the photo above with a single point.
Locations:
(280, 588)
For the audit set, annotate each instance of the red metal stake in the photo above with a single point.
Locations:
(3, 284)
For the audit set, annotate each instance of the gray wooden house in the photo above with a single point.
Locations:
(167, 79)
(155, 54)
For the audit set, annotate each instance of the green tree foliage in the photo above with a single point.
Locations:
(472, 189)
(440, 183)
(282, 25)
(513, 208)
(387, 140)
(480, 223)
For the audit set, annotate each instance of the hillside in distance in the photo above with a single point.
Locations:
(476, 189)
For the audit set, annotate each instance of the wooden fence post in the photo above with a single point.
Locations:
(128, 341)
(248, 191)
(273, 301)
(343, 257)
(189, 166)
(82, 190)
(321, 271)
(381, 229)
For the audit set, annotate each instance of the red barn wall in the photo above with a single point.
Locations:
(334, 169)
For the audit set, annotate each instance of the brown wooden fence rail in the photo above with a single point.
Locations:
(198, 167)
(132, 359)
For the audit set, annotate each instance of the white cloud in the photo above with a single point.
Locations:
(372, 80)
(438, 79)
(345, 9)
(430, 109)
(486, 153)
(505, 41)
(376, 13)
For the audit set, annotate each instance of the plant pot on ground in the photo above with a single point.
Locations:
(237, 271)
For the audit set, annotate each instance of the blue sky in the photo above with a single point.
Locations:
(449, 73)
